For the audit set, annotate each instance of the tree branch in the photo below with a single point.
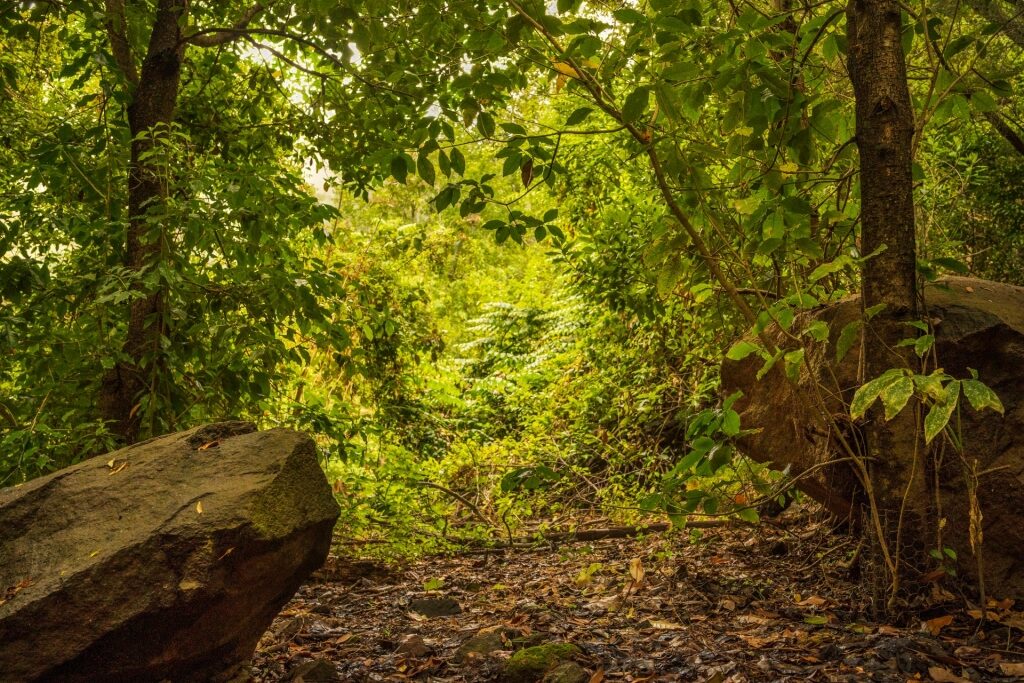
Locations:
(1001, 127)
(220, 36)
(117, 34)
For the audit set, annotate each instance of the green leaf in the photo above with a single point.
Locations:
(847, 336)
(868, 393)
(741, 350)
(513, 128)
(458, 161)
(636, 104)
(578, 116)
(794, 359)
(425, 169)
(939, 414)
(485, 124)
(399, 169)
(952, 264)
(829, 268)
(980, 396)
(669, 275)
(817, 330)
(871, 312)
(767, 366)
(895, 396)
(748, 515)
(923, 344)
(730, 423)
(930, 385)
(687, 463)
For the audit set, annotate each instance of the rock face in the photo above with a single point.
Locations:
(978, 325)
(165, 560)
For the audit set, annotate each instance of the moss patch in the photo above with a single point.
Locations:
(532, 663)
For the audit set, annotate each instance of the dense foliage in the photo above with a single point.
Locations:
(478, 249)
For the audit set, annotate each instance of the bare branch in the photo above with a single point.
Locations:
(117, 33)
(219, 36)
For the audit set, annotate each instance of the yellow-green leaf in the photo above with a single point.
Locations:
(938, 416)
(895, 396)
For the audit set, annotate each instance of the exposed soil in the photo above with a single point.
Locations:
(772, 603)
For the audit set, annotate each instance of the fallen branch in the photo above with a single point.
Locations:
(585, 535)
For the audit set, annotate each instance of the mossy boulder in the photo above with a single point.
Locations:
(164, 560)
(539, 662)
(979, 327)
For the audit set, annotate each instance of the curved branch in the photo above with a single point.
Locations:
(220, 36)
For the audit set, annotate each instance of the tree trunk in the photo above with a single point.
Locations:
(152, 107)
(885, 132)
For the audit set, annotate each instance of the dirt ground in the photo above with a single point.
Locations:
(771, 603)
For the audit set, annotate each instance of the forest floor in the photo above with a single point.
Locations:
(767, 603)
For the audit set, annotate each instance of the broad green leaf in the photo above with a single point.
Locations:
(794, 359)
(952, 264)
(895, 396)
(817, 330)
(980, 396)
(829, 268)
(669, 276)
(847, 336)
(458, 161)
(399, 169)
(748, 515)
(688, 461)
(939, 414)
(578, 116)
(730, 423)
(930, 385)
(425, 169)
(923, 344)
(485, 124)
(872, 311)
(741, 350)
(868, 393)
(636, 104)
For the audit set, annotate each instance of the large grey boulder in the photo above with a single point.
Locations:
(979, 325)
(165, 560)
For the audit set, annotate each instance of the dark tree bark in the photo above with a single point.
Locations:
(152, 106)
(885, 133)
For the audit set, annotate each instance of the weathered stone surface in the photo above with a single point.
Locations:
(164, 560)
(978, 325)
(541, 661)
(435, 606)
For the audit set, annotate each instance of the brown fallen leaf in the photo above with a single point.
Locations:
(933, 626)
(597, 676)
(813, 601)
(941, 675)
(664, 625)
(636, 570)
(1012, 668)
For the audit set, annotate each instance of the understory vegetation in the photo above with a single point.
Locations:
(464, 268)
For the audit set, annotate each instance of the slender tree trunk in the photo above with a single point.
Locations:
(885, 132)
(152, 106)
